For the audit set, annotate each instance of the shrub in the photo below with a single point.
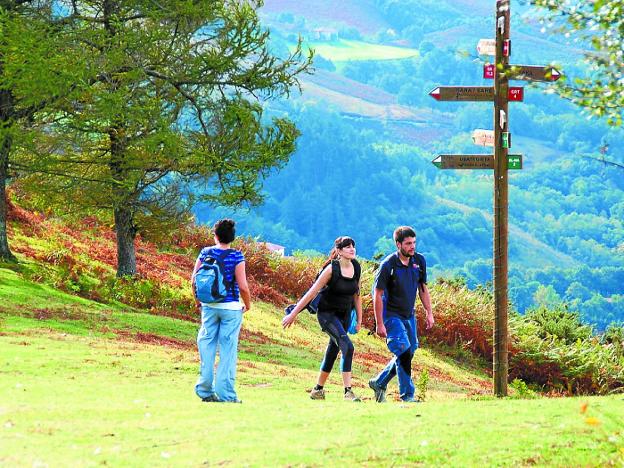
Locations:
(422, 384)
(463, 317)
(560, 323)
(563, 356)
(522, 390)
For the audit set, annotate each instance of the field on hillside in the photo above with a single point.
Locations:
(84, 384)
(341, 50)
(360, 14)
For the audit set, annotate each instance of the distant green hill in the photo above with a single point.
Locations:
(370, 129)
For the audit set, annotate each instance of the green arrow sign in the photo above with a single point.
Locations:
(474, 161)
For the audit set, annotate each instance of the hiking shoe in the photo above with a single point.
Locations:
(349, 395)
(410, 400)
(317, 394)
(380, 393)
(211, 399)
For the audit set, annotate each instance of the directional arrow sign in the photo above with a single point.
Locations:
(532, 73)
(474, 161)
(463, 93)
(486, 47)
(483, 137)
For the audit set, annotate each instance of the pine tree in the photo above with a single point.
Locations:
(169, 102)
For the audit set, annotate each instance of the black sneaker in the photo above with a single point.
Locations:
(211, 399)
(380, 393)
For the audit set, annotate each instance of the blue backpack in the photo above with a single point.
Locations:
(211, 284)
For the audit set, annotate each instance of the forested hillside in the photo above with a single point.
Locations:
(369, 131)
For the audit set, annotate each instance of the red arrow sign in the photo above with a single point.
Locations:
(515, 93)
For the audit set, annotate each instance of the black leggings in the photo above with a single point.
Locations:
(338, 341)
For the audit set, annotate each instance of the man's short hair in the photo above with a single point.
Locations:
(402, 232)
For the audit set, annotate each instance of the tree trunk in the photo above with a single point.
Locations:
(126, 233)
(123, 211)
(6, 107)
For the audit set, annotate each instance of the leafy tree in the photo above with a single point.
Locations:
(599, 23)
(33, 74)
(171, 103)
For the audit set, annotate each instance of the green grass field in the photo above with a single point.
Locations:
(341, 50)
(83, 384)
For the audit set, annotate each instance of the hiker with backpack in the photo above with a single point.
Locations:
(219, 282)
(339, 287)
(401, 276)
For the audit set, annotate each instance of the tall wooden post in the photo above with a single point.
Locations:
(500, 138)
(501, 196)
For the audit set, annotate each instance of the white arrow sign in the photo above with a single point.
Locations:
(483, 137)
(486, 47)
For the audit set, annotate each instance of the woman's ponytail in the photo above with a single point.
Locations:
(333, 255)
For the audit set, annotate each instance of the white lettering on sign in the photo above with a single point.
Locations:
(515, 94)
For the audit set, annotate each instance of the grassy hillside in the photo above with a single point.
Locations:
(343, 50)
(110, 380)
(85, 384)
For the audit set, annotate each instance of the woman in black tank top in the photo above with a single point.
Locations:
(339, 285)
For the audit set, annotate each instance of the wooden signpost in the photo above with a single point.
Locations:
(500, 138)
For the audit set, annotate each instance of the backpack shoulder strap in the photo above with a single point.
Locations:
(219, 260)
(335, 264)
(357, 270)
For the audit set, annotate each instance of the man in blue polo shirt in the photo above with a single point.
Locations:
(401, 276)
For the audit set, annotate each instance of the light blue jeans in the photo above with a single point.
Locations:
(219, 327)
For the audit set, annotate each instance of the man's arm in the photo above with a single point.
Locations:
(425, 298)
(380, 328)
